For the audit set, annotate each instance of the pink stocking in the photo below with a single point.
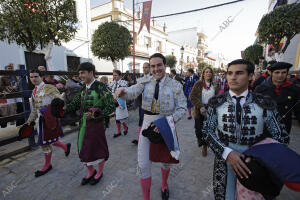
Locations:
(118, 128)
(91, 171)
(100, 169)
(61, 145)
(47, 161)
(146, 185)
(165, 174)
(140, 128)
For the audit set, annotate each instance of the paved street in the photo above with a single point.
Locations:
(189, 180)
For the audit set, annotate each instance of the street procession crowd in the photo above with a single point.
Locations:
(245, 117)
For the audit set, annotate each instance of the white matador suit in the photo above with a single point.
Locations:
(171, 102)
(121, 113)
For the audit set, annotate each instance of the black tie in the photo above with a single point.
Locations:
(156, 91)
(238, 108)
(116, 86)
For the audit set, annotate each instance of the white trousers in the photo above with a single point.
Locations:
(144, 148)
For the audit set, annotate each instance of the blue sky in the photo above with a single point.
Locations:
(239, 34)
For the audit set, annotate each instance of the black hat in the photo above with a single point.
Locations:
(261, 179)
(154, 137)
(280, 65)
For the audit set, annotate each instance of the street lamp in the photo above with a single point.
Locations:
(181, 51)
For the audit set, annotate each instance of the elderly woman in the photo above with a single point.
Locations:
(202, 91)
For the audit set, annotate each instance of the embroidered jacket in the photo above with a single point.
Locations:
(44, 95)
(171, 100)
(258, 113)
(98, 96)
(117, 84)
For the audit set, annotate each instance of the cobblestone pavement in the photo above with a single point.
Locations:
(189, 180)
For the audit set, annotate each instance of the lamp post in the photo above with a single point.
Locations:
(181, 51)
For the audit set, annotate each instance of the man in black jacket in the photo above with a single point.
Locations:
(264, 76)
(284, 92)
(175, 76)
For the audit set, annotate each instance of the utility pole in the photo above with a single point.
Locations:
(133, 34)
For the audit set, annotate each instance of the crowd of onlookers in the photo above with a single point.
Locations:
(10, 84)
(68, 86)
(71, 85)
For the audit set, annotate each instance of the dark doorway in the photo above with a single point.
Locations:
(73, 62)
(33, 60)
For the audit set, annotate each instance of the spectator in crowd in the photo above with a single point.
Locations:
(222, 83)
(297, 80)
(284, 92)
(175, 76)
(203, 90)
(72, 88)
(10, 84)
(256, 76)
(264, 76)
(48, 79)
(104, 80)
(190, 80)
(129, 79)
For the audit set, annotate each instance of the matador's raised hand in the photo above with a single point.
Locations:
(119, 92)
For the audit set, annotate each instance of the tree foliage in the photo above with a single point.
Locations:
(171, 61)
(282, 22)
(31, 23)
(253, 52)
(202, 65)
(111, 41)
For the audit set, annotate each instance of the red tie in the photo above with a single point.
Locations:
(34, 92)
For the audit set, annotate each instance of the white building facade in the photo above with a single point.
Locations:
(146, 43)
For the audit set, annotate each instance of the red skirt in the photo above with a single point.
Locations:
(161, 153)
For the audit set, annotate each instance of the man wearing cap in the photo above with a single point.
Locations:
(284, 92)
(239, 116)
(161, 97)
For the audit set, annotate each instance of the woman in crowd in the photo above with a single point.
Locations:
(202, 91)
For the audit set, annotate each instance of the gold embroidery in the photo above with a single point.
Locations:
(155, 106)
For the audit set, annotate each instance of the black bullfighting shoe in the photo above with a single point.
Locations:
(117, 135)
(87, 180)
(68, 149)
(95, 181)
(165, 194)
(134, 141)
(41, 173)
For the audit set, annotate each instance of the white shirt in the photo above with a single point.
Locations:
(207, 93)
(89, 85)
(227, 150)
